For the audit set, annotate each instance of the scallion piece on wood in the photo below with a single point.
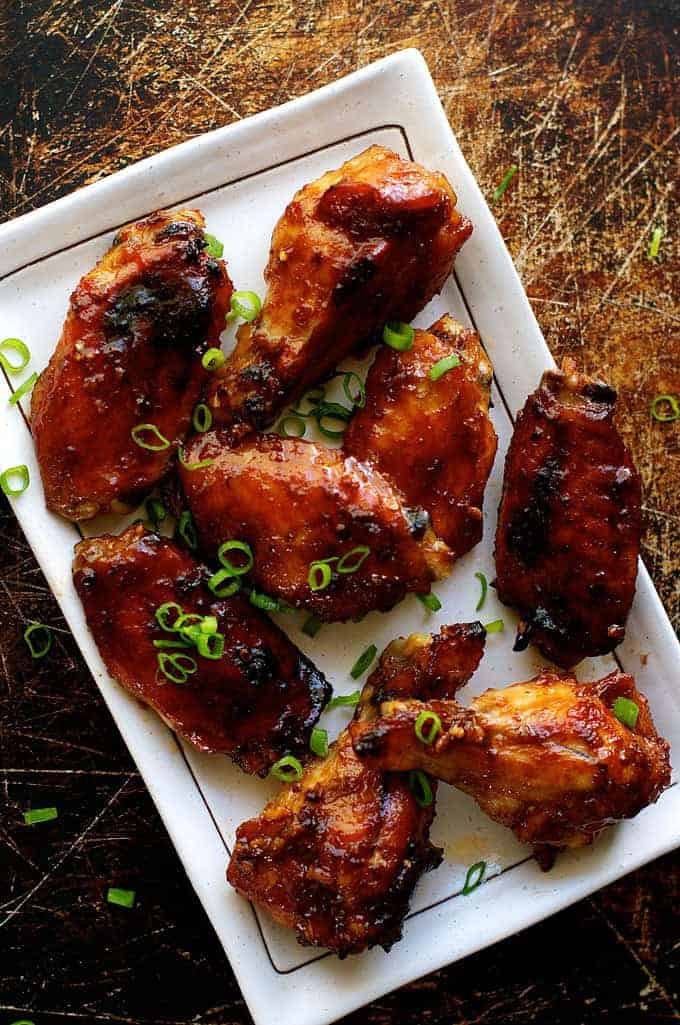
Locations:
(363, 662)
(358, 398)
(287, 769)
(427, 726)
(187, 530)
(22, 350)
(236, 546)
(494, 627)
(9, 486)
(343, 700)
(430, 601)
(419, 785)
(319, 575)
(202, 418)
(123, 898)
(212, 359)
(659, 412)
(177, 667)
(216, 582)
(155, 510)
(474, 877)
(398, 336)
(213, 246)
(485, 587)
(38, 639)
(140, 430)
(655, 243)
(311, 626)
(443, 366)
(318, 742)
(245, 305)
(626, 711)
(23, 389)
(292, 426)
(354, 559)
(507, 178)
(200, 465)
(35, 815)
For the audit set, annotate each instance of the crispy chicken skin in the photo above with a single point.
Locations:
(548, 758)
(370, 242)
(337, 855)
(568, 531)
(295, 502)
(257, 702)
(129, 353)
(433, 439)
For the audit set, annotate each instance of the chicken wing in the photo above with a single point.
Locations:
(370, 242)
(433, 439)
(337, 855)
(129, 354)
(568, 531)
(548, 758)
(257, 701)
(295, 504)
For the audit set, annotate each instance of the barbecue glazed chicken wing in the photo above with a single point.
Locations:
(255, 702)
(370, 242)
(129, 354)
(432, 439)
(337, 855)
(547, 758)
(296, 503)
(568, 531)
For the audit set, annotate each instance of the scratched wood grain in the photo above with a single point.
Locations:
(580, 96)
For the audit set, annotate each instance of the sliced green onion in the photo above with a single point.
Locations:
(14, 345)
(507, 178)
(311, 626)
(443, 366)
(188, 625)
(363, 662)
(474, 877)
(162, 613)
(163, 643)
(318, 742)
(155, 510)
(430, 601)
(22, 1021)
(23, 388)
(313, 397)
(12, 490)
(214, 247)
(398, 336)
(359, 399)
(429, 722)
(344, 699)
(297, 426)
(124, 898)
(654, 245)
(209, 625)
(202, 418)
(332, 411)
(287, 769)
(187, 530)
(210, 645)
(264, 602)
(38, 639)
(485, 587)
(177, 667)
(662, 400)
(419, 785)
(319, 575)
(494, 627)
(245, 305)
(200, 465)
(35, 815)
(236, 546)
(216, 581)
(141, 429)
(354, 559)
(626, 711)
(213, 359)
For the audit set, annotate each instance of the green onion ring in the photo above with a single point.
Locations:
(23, 388)
(332, 411)
(319, 575)
(202, 418)
(37, 648)
(363, 551)
(200, 465)
(424, 720)
(485, 586)
(236, 546)
(363, 662)
(22, 473)
(287, 769)
(398, 336)
(161, 615)
(245, 305)
(213, 246)
(359, 400)
(474, 877)
(314, 397)
(626, 711)
(187, 531)
(443, 366)
(318, 742)
(140, 428)
(672, 401)
(213, 359)
(211, 645)
(297, 421)
(419, 785)
(264, 602)
(214, 584)
(14, 345)
(177, 667)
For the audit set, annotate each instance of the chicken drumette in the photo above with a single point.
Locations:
(568, 531)
(298, 505)
(370, 242)
(433, 439)
(129, 355)
(549, 758)
(258, 700)
(336, 855)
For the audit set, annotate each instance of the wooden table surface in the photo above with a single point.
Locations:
(580, 96)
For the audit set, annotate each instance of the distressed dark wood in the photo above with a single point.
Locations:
(580, 96)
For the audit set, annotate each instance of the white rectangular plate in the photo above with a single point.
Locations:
(241, 177)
